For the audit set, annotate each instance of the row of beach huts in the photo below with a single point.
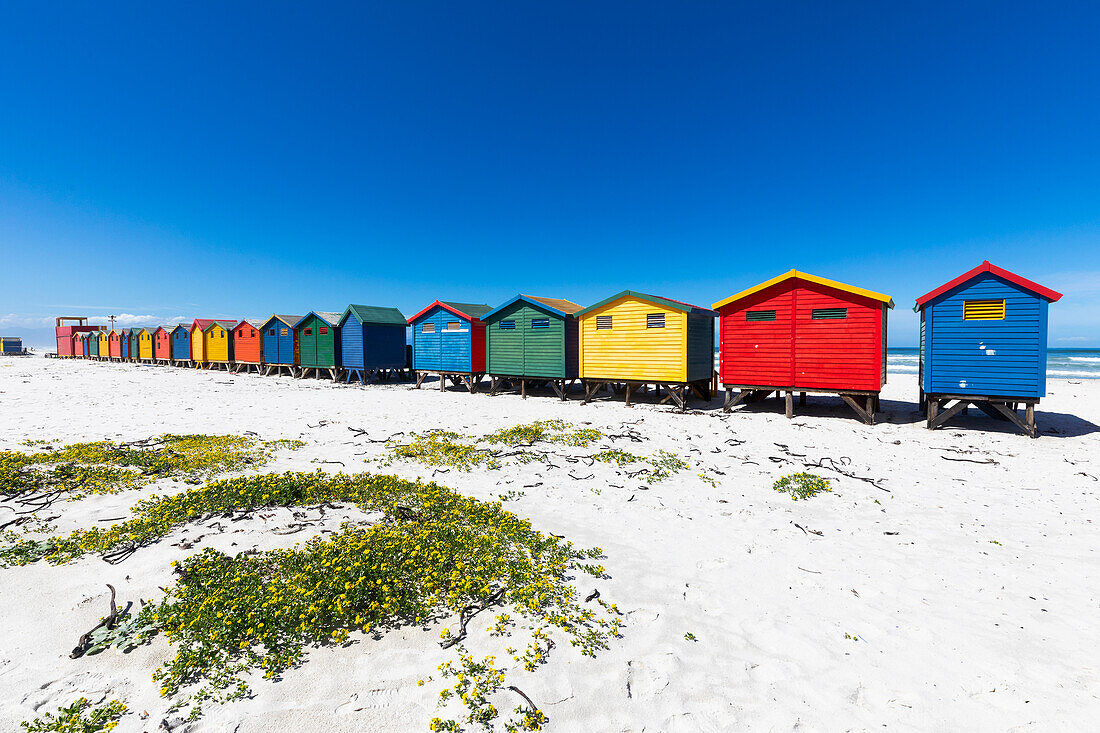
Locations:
(982, 343)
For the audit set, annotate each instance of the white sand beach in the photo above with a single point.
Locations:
(966, 567)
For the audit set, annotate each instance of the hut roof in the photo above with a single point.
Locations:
(254, 322)
(811, 278)
(202, 323)
(227, 325)
(288, 320)
(1012, 277)
(328, 317)
(473, 311)
(374, 314)
(184, 326)
(656, 300)
(559, 306)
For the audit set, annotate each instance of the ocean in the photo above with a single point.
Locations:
(1061, 363)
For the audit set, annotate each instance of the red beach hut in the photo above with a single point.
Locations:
(803, 333)
(114, 345)
(162, 345)
(248, 344)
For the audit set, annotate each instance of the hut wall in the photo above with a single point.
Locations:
(145, 345)
(279, 343)
(104, 345)
(124, 345)
(114, 345)
(216, 343)
(630, 350)
(505, 336)
(371, 346)
(700, 347)
(316, 343)
(181, 344)
(986, 357)
(247, 343)
(162, 344)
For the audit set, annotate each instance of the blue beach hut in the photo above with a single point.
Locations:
(448, 339)
(180, 337)
(983, 341)
(280, 344)
(372, 340)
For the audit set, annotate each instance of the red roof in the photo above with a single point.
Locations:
(202, 323)
(1012, 277)
(445, 306)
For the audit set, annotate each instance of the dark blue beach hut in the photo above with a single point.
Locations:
(448, 339)
(983, 341)
(280, 344)
(372, 340)
(180, 337)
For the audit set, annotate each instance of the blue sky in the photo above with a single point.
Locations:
(196, 159)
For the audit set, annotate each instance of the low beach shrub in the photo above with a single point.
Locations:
(104, 466)
(71, 719)
(802, 485)
(431, 553)
(545, 431)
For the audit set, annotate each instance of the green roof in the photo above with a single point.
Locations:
(477, 310)
(374, 314)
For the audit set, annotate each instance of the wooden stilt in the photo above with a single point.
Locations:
(789, 404)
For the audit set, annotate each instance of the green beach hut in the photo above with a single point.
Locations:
(318, 344)
(533, 341)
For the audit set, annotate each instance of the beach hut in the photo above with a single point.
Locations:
(198, 345)
(92, 345)
(318, 345)
(104, 350)
(180, 337)
(218, 344)
(248, 335)
(162, 345)
(115, 338)
(533, 341)
(448, 339)
(633, 340)
(11, 345)
(372, 341)
(143, 346)
(76, 345)
(132, 346)
(983, 341)
(280, 344)
(802, 333)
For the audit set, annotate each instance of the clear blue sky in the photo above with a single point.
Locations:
(235, 159)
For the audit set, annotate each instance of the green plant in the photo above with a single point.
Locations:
(690, 636)
(433, 552)
(618, 457)
(802, 485)
(71, 719)
(545, 431)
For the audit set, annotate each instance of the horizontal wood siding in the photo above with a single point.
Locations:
(758, 352)
(428, 347)
(181, 344)
(316, 349)
(197, 345)
(543, 348)
(700, 347)
(162, 344)
(217, 344)
(506, 345)
(278, 346)
(986, 357)
(629, 350)
(247, 344)
(351, 344)
(145, 345)
(836, 353)
(383, 346)
(456, 345)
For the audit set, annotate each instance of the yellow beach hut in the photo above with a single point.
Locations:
(633, 340)
(198, 345)
(145, 346)
(218, 344)
(104, 345)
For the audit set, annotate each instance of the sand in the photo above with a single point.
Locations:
(968, 569)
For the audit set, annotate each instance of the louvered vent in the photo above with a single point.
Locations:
(427, 328)
(759, 315)
(830, 314)
(507, 325)
(655, 320)
(540, 323)
(603, 322)
(983, 310)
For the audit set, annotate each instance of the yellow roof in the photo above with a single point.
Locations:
(810, 278)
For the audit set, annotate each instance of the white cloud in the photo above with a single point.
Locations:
(27, 320)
